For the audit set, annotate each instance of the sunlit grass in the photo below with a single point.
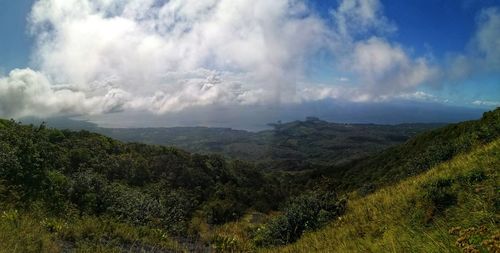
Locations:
(394, 219)
(236, 236)
(27, 232)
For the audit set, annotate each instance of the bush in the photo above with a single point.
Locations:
(473, 176)
(57, 192)
(88, 192)
(437, 197)
(221, 211)
(307, 212)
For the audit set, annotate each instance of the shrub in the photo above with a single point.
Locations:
(57, 192)
(437, 196)
(473, 176)
(221, 211)
(305, 213)
(88, 192)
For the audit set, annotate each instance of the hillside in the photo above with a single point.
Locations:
(415, 156)
(249, 126)
(453, 207)
(81, 191)
(313, 140)
(85, 191)
(65, 190)
(384, 170)
(296, 145)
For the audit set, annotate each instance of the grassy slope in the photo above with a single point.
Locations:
(30, 232)
(417, 155)
(394, 219)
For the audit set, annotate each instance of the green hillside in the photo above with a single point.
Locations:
(80, 190)
(365, 176)
(65, 191)
(415, 156)
(453, 207)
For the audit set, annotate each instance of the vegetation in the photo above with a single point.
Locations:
(62, 190)
(74, 176)
(415, 156)
(293, 146)
(40, 232)
(305, 213)
(451, 208)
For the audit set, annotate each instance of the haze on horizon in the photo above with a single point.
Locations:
(139, 63)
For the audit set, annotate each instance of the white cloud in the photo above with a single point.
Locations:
(483, 52)
(486, 103)
(487, 39)
(420, 96)
(386, 69)
(381, 69)
(26, 93)
(98, 56)
(356, 17)
(150, 48)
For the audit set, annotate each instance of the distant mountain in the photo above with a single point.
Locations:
(256, 118)
(60, 123)
(296, 145)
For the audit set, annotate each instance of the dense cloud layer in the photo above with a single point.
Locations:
(99, 56)
(27, 93)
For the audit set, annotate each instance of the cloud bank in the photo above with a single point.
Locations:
(100, 56)
(26, 93)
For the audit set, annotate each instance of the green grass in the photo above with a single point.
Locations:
(23, 233)
(403, 218)
(28, 232)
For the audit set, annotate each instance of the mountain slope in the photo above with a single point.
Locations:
(64, 190)
(452, 207)
(85, 191)
(416, 155)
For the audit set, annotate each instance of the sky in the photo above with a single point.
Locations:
(189, 62)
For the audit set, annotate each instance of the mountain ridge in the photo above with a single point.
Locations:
(317, 141)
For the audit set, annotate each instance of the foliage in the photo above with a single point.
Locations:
(89, 175)
(390, 219)
(292, 146)
(416, 155)
(437, 196)
(35, 232)
(305, 213)
(65, 190)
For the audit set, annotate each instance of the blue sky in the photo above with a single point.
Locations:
(437, 27)
(16, 44)
(436, 51)
(440, 25)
